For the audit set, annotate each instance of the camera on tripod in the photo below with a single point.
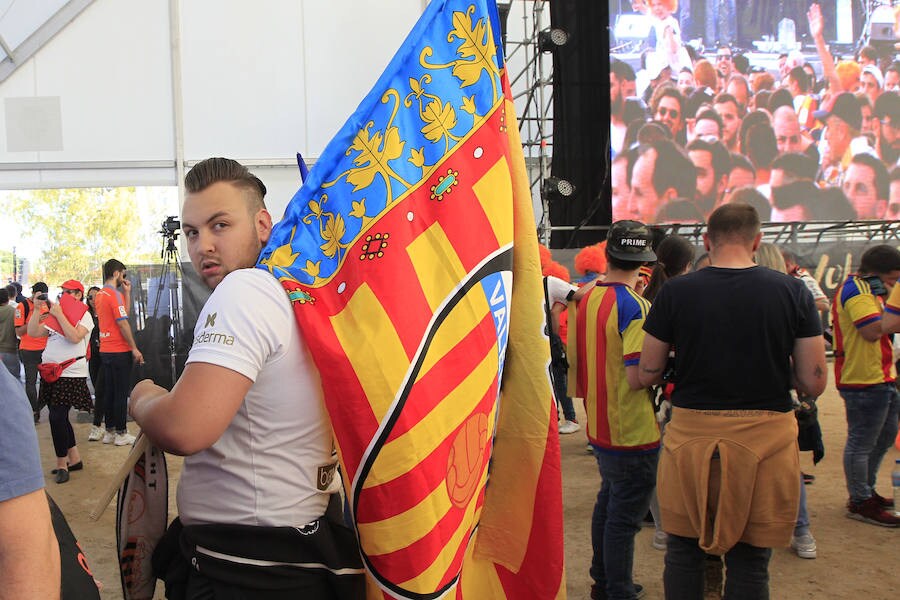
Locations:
(170, 227)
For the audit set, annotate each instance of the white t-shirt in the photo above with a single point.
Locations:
(812, 285)
(272, 464)
(558, 291)
(59, 349)
(679, 58)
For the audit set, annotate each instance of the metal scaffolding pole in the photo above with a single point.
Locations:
(533, 102)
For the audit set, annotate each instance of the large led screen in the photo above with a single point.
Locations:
(790, 107)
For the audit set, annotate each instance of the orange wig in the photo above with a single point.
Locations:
(591, 259)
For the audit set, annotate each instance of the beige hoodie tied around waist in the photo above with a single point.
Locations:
(730, 476)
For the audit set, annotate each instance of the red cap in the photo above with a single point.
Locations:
(73, 285)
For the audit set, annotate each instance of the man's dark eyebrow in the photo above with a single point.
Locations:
(212, 218)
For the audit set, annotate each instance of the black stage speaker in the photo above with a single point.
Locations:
(581, 119)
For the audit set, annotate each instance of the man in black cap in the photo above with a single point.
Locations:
(729, 477)
(843, 122)
(30, 349)
(604, 346)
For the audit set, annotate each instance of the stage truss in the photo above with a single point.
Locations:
(813, 233)
(531, 80)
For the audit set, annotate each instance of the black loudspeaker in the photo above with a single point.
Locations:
(580, 120)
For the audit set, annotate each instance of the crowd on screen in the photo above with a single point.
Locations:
(691, 132)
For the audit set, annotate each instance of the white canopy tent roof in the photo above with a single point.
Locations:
(132, 93)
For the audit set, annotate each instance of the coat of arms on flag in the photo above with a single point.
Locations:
(411, 260)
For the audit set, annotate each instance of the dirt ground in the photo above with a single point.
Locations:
(854, 558)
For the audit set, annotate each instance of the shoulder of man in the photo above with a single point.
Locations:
(632, 305)
(854, 286)
(251, 287)
(23, 309)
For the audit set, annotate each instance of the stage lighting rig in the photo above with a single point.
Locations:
(552, 39)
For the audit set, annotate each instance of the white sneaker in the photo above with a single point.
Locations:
(96, 434)
(660, 540)
(569, 427)
(124, 439)
(109, 437)
(804, 545)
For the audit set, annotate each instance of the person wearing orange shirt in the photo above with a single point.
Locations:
(118, 350)
(30, 349)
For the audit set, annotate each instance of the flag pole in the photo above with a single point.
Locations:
(140, 445)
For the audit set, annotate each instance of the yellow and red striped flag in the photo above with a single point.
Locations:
(411, 259)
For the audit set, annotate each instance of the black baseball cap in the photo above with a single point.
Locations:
(39, 287)
(846, 108)
(631, 241)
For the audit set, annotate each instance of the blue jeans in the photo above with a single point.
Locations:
(116, 377)
(628, 481)
(872, 414)
(11, 362)
(802, 525)
(746, 571)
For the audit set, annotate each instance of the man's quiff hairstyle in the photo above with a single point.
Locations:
(733, 223)
(213, 170)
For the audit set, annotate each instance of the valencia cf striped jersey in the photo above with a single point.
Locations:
(859, 363)
(605, 337)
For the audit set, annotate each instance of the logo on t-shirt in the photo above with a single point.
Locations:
(325, 476)
(122, 312)
(208, 337)
(210, 320)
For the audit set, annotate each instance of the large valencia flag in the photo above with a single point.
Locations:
(411, 260)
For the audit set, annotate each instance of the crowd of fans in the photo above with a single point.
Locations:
(689, 132)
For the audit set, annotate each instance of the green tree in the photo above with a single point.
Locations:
(6, 265)
(78, 229)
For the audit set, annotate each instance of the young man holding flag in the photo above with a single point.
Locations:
(247, 414)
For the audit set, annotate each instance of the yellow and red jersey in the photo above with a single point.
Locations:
(26, 342)
(605, 337)
(860, 363)
(110, 306)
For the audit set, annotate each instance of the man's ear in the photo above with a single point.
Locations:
(263, 223)
(706, 242)
(721, 185)
(757, 241)
(669, 195)
(689, 125)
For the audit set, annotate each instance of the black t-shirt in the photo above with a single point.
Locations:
(733, 332)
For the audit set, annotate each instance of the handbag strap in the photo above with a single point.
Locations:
(68, 362)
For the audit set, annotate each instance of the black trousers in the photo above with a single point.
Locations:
(31, 359)
(61, 429)
(191, 574)
(203, 588)
(116, 367)
(96, 372)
